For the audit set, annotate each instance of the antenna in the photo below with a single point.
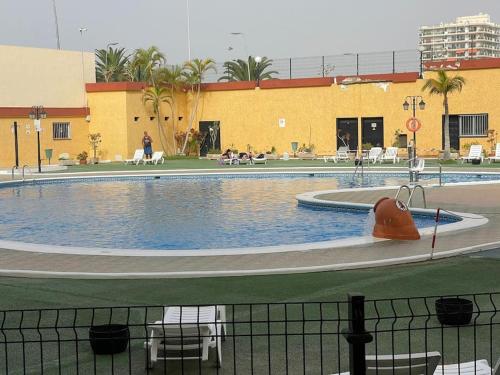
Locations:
(57, 24)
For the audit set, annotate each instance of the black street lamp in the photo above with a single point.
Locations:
(16, 143)
(37, 113)
(412, 100)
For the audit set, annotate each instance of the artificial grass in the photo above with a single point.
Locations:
(460, 275)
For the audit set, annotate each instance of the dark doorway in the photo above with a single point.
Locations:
(372, 131)
(211, 136)
(347, 133)
(454, 132)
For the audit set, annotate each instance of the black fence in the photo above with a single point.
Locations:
(338, 65)
(276, 338)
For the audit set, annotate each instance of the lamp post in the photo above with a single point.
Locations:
(421, 105)
(16, 144)
(37, 113)
(421, 49)
(258, 59)
(246, 50)
(188, 19)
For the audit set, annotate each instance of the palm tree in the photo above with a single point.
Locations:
(145, 62)
(238, 70)
(194, 72)
(110, 64)
(155, 95)
(173, 78)
(445, 85)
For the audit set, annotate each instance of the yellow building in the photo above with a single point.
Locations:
(325, 112)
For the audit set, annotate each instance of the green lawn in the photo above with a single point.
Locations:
(193, 163)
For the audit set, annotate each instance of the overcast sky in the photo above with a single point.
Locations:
(273, 28)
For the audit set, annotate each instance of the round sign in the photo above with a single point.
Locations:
(413, 124)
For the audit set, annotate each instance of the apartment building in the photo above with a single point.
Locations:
(468, 37)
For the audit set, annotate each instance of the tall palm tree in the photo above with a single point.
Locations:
(173, 78)
(445, 85)
(238, 70)
(146, 61)
(110, 64)
(194, 72)
(155, 95)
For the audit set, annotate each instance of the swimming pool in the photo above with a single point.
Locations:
(186, 212)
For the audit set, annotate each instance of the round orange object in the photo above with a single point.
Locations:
(413, 124)
(393, 220)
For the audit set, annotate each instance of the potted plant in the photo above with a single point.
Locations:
(82, 157)
(213, 154)
(306, 152)
(271, 154)
(94, 140)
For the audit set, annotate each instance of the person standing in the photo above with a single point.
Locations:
(147, 143)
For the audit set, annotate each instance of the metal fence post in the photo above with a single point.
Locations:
(393, 62)
(356, 335)
(323, 66)
(290, 68)
(357, 64)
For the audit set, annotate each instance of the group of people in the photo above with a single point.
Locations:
(236, 158)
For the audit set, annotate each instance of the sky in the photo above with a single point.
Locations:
(273, 28)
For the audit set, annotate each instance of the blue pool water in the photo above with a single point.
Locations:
(183, 213)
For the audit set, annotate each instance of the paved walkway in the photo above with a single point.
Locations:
(480, 199)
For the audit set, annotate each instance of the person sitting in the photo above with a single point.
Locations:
(227, 155)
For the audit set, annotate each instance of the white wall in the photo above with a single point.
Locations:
(48, 77)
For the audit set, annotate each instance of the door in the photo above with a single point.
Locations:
(210, 131)
(372, 131)
(347, 133)
(454, 132)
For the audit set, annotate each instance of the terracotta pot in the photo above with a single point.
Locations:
(83, 161)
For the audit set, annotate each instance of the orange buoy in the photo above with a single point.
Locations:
(393, 220)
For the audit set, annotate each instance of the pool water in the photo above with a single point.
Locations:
(181, 213)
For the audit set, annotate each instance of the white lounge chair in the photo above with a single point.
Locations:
(341, 155)
(260, 159)
(186, 329)
(373, 155)
(497, 155)
(475, 153)
(479, 367)
(138, 156)
(400, 364)
(155, 158)
(390, 154)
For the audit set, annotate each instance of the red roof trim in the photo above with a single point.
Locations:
(227, 86)
(296, 82)
(487, 63)
(390, 77)
(13, 112)
(115, 86)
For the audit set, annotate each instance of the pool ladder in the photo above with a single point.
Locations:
(24, 169)
(411, 192)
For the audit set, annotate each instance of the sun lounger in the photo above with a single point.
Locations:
(475, 153)
(341, 155)
(390, 154)
(497, 155)
(479, 367)
(155, 158)
(260, 159)
(138, 156)
(186, 328)
(373, 155)
(400, 364)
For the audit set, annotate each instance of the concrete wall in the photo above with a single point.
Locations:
(48, 77)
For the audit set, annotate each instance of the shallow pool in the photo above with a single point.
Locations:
(180, 213)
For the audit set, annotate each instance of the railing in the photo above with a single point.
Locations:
(13, 170)
(346, 64)
(26, 167)
(275, 338)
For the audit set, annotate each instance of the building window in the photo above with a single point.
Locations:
(61, 130)
(473, 125)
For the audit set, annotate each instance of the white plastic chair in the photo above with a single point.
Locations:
(138, 156)
(155, 158)
(475, 153)
(400, 364)
(497, 155)
(390, 154)
(341, 155)
(479, 367)
(373, 155)
(186, 328)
